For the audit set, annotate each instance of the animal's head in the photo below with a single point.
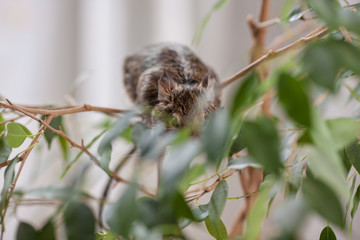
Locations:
(187, 104)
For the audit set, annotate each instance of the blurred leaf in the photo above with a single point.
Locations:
(124, 212)
(47, 232)
(199, 32)
(79, 222)
(334, 15)
(191, 175)
(321, 65)
(5, 150)
(201, 212)
(286, 8)
(181, 208)
(16, 134)
(343, 131)
(245, 95)
(120, 125)
(64, 147)
(55, 123)
(216, 136)
(327, 234)
(295, 15)
(289, 216)
(296, 176)
(217, 203)
(105, 159)
(141, 232)
(261, 138)
(25, 232)
(351, 192)
(356, 200)
(323, 59)
(219, 233)
(151, 141)
(8, 180)
(176, 163)
(323, 200)
(62, 193)
(258, 211)
(294, 99)
(241, 163)
(353, 153)
(353, 93)
(2, 126)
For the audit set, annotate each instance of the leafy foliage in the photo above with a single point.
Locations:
(299, 150)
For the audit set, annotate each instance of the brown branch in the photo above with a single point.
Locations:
(63, 111)
(203, 190)
(61, 133)
(271, 54)
(23, 158)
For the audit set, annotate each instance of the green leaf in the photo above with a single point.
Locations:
(294, 99)
(217, 202)
(5, 150)
(105, 159)
(216, 136)
(244, 162)
(295, 15)
(295, 177)
(356, 200)
(351, 191)
(343, 131)
(79, 222)
(327, 234)
(262, 140)
(322, 199)
(8, 180)
(286, 8)
(55, 123)
(124, 212)
(201, 212)
(16, 134)
(219, 233)
(258, 211)
(199, 32)
(25, 232)
(47, 232)
(120, 125)
(245, 95)
(353, 153)
(2, 126)
(353, 92)
(181, 208)
(176, 163)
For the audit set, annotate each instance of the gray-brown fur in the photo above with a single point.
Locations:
(171, 79)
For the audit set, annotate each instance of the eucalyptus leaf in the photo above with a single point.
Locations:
(5, 150)
(55, 123)
(25, 232)
(124, 212)
(201, 212)
(262, 140)
(219, 232)
(294, 99)
(323, 200)
(79, 222)
(47, 232)
(8, 180)
(217, 202)
(353, 153)
(327, 234)
(356, 200)
(343, 131)
(216, 136)
(16, 134)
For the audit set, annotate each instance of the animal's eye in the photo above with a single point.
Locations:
(174, 122)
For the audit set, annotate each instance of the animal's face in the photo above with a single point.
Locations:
(186, 105)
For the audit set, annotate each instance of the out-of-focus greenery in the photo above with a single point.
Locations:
(312, 159)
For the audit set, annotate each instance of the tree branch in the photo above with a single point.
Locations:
(271, 54)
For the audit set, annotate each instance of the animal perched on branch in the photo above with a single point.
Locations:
(177, 86)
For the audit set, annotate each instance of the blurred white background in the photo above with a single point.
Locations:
(56, 51)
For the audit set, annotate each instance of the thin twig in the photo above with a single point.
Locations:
(271, 54)
(63, 111)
